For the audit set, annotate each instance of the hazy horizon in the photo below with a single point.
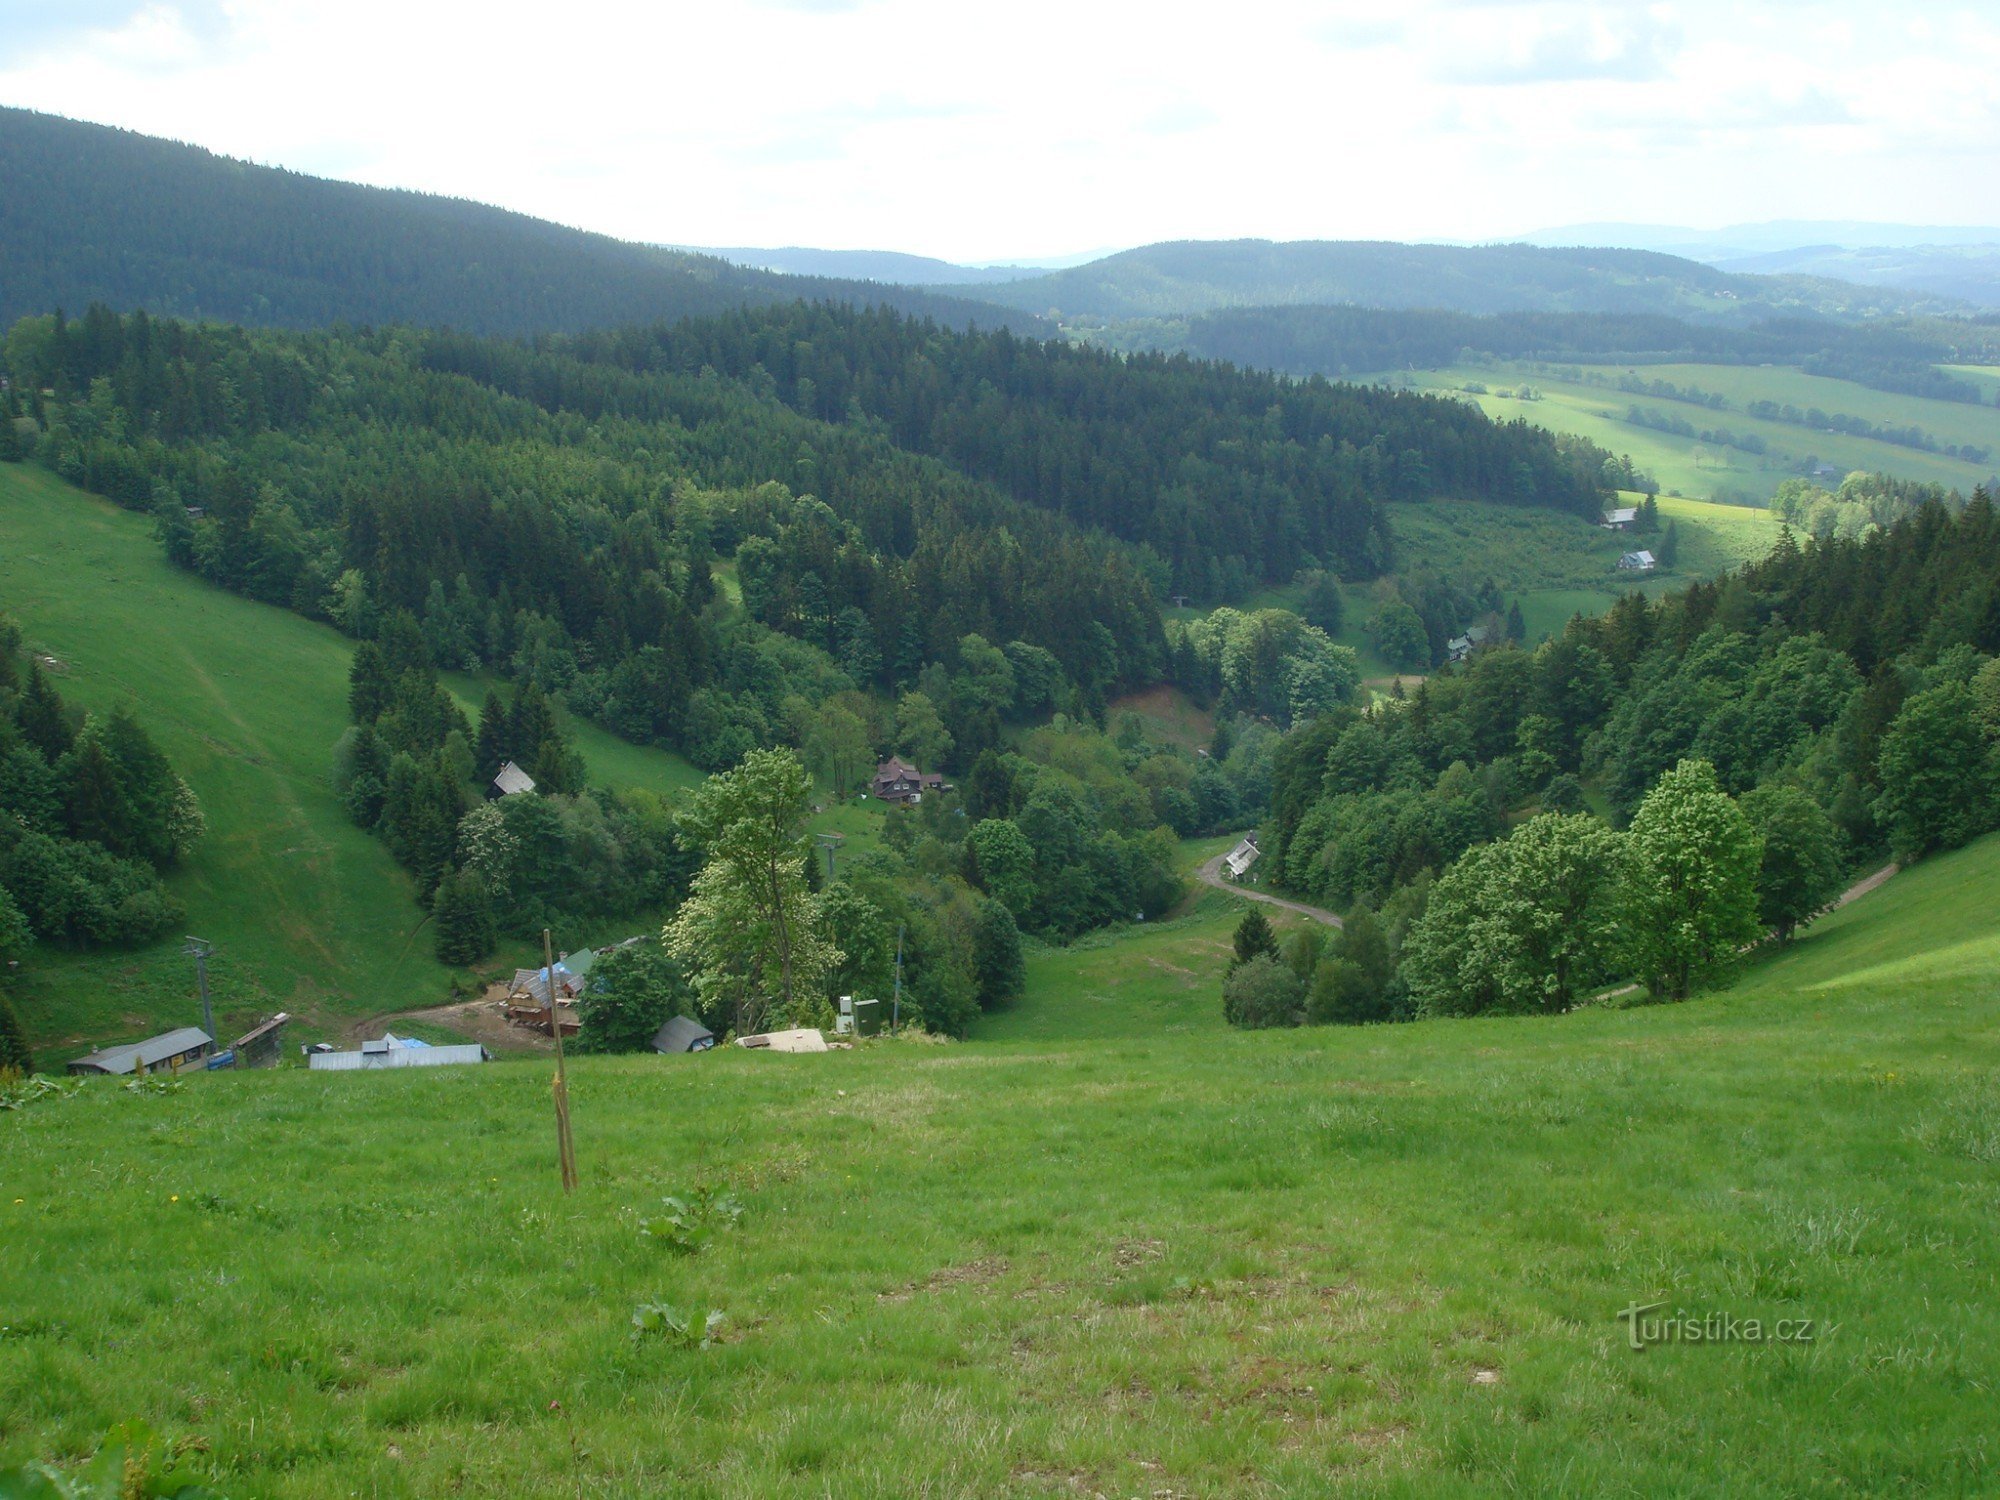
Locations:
(887, 125)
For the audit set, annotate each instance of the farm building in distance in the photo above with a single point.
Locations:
(392, 1051)
(896, 780)
(1242, 857)
(1625, 518)
(1641, 561)
(184, 1048)
(1460, 647)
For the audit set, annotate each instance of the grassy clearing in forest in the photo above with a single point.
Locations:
(308, 913)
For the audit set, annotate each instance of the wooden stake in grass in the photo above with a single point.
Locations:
(565, 1147)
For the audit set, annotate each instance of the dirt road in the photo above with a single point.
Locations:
(1211, 874)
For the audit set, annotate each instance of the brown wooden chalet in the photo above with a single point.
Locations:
(896, 780)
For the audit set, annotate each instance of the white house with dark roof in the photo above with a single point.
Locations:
(1641, 561)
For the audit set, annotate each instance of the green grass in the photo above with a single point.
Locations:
(1986, 377)
(858, 821)
(308, 913)
(1717, 537)
(1131, 983)
(1169, 717)
(1546, 611)
(1700, 470)
(1121, 1251)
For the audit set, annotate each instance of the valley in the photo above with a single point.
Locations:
(1268, 866)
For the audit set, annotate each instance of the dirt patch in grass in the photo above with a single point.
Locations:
(979, 1272)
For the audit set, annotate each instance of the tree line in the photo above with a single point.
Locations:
(1832, 705)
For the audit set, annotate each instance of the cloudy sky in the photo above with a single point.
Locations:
(1042, 127)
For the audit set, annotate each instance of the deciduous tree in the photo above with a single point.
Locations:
(750, 933)
(1691, 887)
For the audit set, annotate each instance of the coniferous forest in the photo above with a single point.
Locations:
(885, 489)
(96, 214)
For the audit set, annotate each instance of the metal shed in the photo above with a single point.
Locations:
(391, 1053)
(171, 1048)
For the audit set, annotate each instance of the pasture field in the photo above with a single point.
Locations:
(1699, 470)
(1113, 1249)
(1986, 377)
(308, 913)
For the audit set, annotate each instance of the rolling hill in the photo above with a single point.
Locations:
(1193, 276)
(867, 265)
(96, 214)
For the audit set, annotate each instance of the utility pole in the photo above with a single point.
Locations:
(896, 1011)
(565, 1147)
(199, 949)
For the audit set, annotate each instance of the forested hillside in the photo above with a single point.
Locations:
(96, 214)
(1846, 690)
(1207, 465)
(557, 511)
(1186, 277)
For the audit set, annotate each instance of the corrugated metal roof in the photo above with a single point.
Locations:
(152, 1052)
(513, 779)
(397, 1057)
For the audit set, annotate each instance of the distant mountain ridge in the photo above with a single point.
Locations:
(96, 214)
(1960, 262)
(874, 265)
(1735, 241)
(1184, 278)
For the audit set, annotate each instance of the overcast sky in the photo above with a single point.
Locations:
(1040, 127)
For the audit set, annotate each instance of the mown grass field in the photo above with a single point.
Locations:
(1698, 470)
(1986, 377)
(1121, 1252)
(308, 913)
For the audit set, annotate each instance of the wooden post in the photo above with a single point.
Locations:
(565, 1147)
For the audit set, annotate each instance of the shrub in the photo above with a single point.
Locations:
(1262, 993)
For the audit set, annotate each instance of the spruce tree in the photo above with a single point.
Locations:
(40, 715)
(14, 1051)
(94, 804)
(463, 912)
(369, 690)
(492, 748)
(1670, 545)
(1253, 939)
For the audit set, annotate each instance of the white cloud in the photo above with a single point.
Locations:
(978, 134)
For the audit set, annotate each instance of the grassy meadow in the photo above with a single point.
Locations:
(1689, 467)
(308, 913)
(1107, 1247)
